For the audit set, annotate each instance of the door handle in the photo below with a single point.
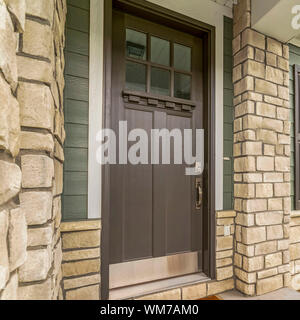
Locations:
(199, 194)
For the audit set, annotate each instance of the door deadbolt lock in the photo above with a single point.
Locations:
(199, 194)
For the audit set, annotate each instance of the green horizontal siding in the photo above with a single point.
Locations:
(76, 109)
(228, 112)
(294, 59)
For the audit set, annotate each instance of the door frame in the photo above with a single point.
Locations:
(157, 13)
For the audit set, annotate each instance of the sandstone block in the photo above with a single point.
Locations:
(253, 68)
(271, 59)
(266, 110)
(194, 292)
(295, 251)
(42, 9)
(241, 24)
(244, 190)
(243, 85)
(11, 290)
(274, 46)
(245, 276)
(37, 265)
(236, 44)
(37, 170)
(38, 39)
(253, 264)
(283, 64)
(36, 141)
(282, 189)
(269, 218)
(283, 92)
(270, 284)
(252, 122)
(8, 47)
(267, 273)
(36, 106)
(282, 164)
(244, 164)
(224, 273)
(10, 177)
(274, 232)
(253, 235)
(17, 10)
(253, 38)
(252, 177)
(244, 108)
(40, 291)
(273, 260)
(40, 236)
(224, 243)
(295, 234)
(17, 239)
(37, 207)
(80, 267)
(33, 69)
(267, 136)
(265, 87)
(4, 263)
(81, 254)
(255, 205)
(219, 286)
(82, 281)
(9, 119)
(248, 289)
(265, 248)
(245, 250)
(265, 163)
(274, 75)
(260, 55)
(264, 190)
(252, 148)
(83, 239)
(58, 177)
(273, 177)
(89, 293)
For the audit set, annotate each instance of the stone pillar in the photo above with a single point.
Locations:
(262, 157)
(40, 94)
(31, 154)
(13, 233)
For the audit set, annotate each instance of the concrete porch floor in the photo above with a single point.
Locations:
(281, 294)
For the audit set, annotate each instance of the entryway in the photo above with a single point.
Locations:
(160, 222)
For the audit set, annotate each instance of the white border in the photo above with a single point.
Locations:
(95, 105)
(205, 11)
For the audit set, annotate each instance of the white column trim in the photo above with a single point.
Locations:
(95, 105)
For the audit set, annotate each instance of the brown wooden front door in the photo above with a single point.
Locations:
(157, 82)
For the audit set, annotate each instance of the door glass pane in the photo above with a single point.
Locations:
(160, 51)
(182, 57)
(160, 81)
(135, 76)
(182, 86)
(136, 44)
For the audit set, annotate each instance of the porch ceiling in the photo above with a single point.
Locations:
(274, 18)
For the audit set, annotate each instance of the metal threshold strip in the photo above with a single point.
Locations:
(156, 286)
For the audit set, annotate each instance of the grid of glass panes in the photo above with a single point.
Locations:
(157, 65)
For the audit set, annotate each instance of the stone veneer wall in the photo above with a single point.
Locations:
(31, 139)
(81, 263)
(295, 250)
(262, 157)
(81, 260)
